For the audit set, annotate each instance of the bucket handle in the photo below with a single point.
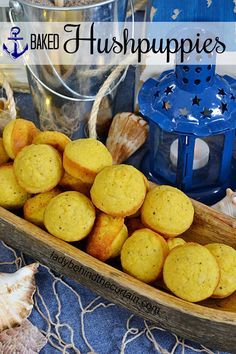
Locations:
(92, 123)
(15, 5)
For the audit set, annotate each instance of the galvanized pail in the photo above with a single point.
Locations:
(63, 95)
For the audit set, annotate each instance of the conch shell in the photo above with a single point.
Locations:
(128, 132)
(23, 339)
(4, 114)
(228, 204)
(16, 296)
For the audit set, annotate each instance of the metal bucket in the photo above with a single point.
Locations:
(63, 95)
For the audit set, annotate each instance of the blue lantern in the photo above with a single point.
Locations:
(192, 118)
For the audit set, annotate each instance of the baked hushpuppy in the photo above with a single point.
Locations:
(119, 190)
(107, 237)
(71, 183)
(85, 158)
(174, 242)
(38, 168)
(191, 272)
(69, 216)
(56, 139)
(17, 134)
(3, 154)
(226, 258)
(143, 255)
(34, 207)
(167, 210)
(12, 195)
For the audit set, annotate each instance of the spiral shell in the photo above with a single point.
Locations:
(16, 296)
(128, 132)
(228, 204)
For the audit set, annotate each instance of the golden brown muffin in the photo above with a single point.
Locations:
(226, 258)
(3, 154)
(174, 242)
(119, 241)
(85, 158)
(69, 216)
(191, 272)
(143, 255)
(167, 210)
(136, 224)
(12, 195)
(119, 190)
(34, 207)
(107, 237)
(56, 139)
(71, 183)
(38, 168)
(17, 134)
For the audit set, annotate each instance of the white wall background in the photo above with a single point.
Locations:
(4, 3)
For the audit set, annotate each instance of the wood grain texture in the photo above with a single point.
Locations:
(197, 322)
(211, 226)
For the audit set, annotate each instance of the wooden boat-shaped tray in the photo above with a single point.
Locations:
(212, 322)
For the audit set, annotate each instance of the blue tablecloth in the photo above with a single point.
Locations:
(194, 10)
(76, 320)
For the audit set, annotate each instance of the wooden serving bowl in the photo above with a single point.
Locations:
(212, 322)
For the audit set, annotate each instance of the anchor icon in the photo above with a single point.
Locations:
(16, 52)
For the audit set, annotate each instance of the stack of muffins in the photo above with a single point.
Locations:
(73, 189)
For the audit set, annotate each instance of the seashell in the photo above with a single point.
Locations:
(128, 132)
(228, 204)
(4, 114)
(3, 104)
(16, 296)
(23, 339)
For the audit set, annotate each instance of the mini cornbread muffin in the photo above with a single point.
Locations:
(143, 255)
(119, 190)
(12, 195)
(174, 242)
(74, 184)
(17, 134)
(85, 158)
(167, 210)
(56, 139)
(38, 168)
(3, 154)
(226, 258)
(107, 237)
(69, 216)
(191, 272)
(34, 207)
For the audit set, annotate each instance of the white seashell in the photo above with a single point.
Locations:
(4, 114)
(16, 296)
(23, 339)
(228, 204)
(127, 134)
